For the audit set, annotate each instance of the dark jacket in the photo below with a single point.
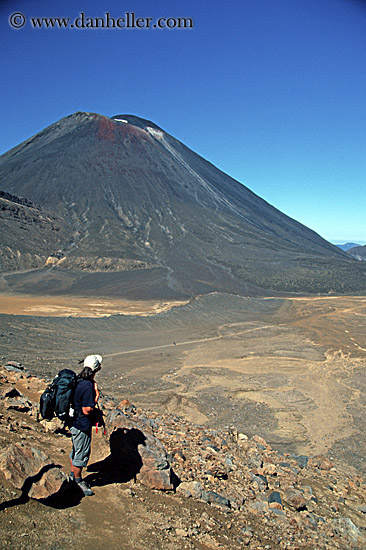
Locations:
(84, 397)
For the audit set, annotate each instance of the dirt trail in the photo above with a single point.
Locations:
(188, 342)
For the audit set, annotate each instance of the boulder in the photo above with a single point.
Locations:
(13, 399)
(161, 480)
(9, 391)
(269, 468)
(18, 403)
(126, 406)
(181, 532)
(133, 445)
(31, 470)
(214, 498)
(260, 440)
(254, 458)
(53, 425)
(275, 498)
(294, 499)
(258, 506)
(302, 460)
(191, 489)
(11, 365)
(321, 462)
(260, 482)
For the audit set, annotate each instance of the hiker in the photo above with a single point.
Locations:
(85, 400)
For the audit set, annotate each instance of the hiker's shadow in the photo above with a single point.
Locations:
(124, 462)
(122, 465)
(66, 497)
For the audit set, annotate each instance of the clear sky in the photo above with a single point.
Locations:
(273, 92)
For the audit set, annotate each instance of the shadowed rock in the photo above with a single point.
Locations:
(135, 453)
(31, 470)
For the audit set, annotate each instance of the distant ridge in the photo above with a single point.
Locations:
(347, 246)
(28, 233)
(140, 214)
(358, 252)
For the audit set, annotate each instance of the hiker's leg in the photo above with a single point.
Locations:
(80, 453)
(76, 471)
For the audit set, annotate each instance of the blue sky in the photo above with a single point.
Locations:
(271, 91)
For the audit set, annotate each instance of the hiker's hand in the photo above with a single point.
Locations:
(96, 392)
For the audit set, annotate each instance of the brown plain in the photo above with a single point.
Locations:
(63, 306)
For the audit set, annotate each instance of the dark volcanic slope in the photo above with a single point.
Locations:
(136, 198)
(29, 234)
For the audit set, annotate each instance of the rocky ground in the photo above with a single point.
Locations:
(161, 481)
(291, 370)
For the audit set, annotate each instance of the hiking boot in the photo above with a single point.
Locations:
(85, 488)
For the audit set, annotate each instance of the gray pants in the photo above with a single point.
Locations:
(81, 446)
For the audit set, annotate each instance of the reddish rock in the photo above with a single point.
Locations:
(321, 462)
(259, 440)
(269, 469)
(276, 505)
(141, 449)
(124, 403)
(156, 479)
(294, 499)
(31, 470)
(179, 456)
(191, 489)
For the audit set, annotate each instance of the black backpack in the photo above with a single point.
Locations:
(47, 403)
(57, 399)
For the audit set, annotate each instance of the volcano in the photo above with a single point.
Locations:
(139, 214)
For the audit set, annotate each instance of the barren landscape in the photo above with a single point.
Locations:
(289, 369)
(183, 195)
(233, 344)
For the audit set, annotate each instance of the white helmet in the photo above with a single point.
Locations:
(93, 362)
